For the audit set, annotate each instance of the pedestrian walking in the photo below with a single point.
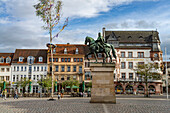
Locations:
(16, 94)
(4, 93)
(59, 96)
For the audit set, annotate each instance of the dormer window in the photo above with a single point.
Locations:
(65, 51)
(77, 51)
(8, 60)
(40, 59)
(155, 55)
(54, 50)
(30, 59)
(2, 60)
(21, 59)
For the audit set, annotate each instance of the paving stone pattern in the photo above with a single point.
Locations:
(82, 105)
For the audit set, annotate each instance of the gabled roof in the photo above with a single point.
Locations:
(36, 53)
(71, 49)
(6, 55)
(133, 36)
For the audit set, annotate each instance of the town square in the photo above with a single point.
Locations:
(84, 56)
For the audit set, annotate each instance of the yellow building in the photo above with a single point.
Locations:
(68, 62)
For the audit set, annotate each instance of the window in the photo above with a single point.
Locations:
(123, 75)
(74, 68)
(75, 59)
(21, 77)
(130, 75)
(54, 50)
(65, 51)
(34, 77)
(123, 65)
(130, 54)
(78, 60)
(69, 60)
(80, 69)
(155, 55)
(30, 69)
(56, 68)
(87, 64)
(62, 77)
(40, 59)
(2, 60)
(68, 68)
(17, 68)
(81, 59)
(56, 59)
(7, 78)
(68, 77)
(25, 68)
(14, 78)
(22, 68)
(41, 68)
(90, 56)
(37, 77)
(8, 60)
(62, 68)
(45, 68)
(77, 51)
(2, 69)
(24, 76)
(17, 77)
(123, 54)
(140, 63)
(30, 59)
(49, 59)
(130, 65)
(7, 69)
(140, 54)
(37, 68)
(62, 59)
(65, 59)
(99, 55)
(74, 77)
(21, 59)
(14, 68)
(29, 76)
(34, 68)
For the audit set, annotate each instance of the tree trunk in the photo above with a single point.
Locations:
(147, 95)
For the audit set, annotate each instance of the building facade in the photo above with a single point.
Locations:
(164, 76)
(31, 64)
(68, 63)
(134, 47)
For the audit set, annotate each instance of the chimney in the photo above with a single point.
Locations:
(104, 32)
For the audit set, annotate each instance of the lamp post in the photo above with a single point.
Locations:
(166, 74)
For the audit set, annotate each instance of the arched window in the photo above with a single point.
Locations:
(2, 60)
(30, 59)
(140, 89)
(8, 60)
(129, 89)
(40, 59)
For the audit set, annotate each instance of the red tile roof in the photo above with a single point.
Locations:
(6, 55)
(36, 53)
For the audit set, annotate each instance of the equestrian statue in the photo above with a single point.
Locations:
(99, 46)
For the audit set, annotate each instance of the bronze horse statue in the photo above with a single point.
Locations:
(94, 49)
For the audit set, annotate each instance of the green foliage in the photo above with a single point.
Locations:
(23, 82)
(148, 71)
(89, 85)
(71, 83)
(45, 82)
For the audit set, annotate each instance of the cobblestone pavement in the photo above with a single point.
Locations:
(82, 105)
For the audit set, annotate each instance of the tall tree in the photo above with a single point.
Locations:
(148, 72)
(50, 12)
(71, 83)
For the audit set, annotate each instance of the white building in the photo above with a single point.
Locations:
(31, 64)
(134, 47)
(5, 67)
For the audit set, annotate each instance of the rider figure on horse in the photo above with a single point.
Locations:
(100, 42)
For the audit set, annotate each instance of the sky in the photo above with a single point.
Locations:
(20, 28)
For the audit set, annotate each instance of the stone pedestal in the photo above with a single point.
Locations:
(103, 90)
